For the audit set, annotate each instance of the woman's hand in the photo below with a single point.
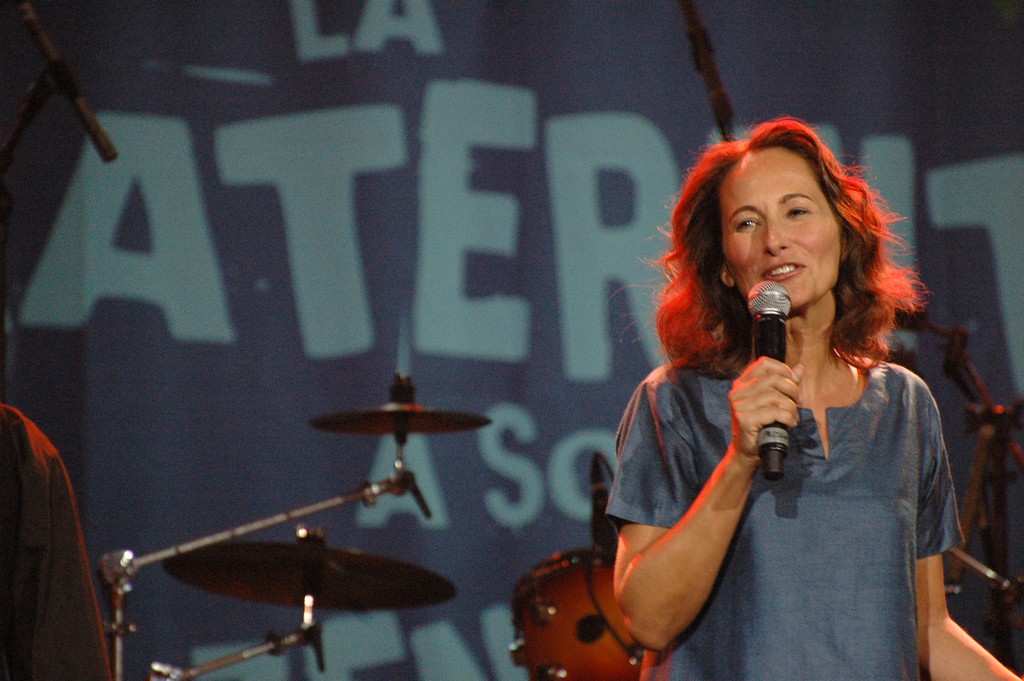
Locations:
(766, 392)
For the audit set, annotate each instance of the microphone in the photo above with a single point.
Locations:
(65, 83)
(769, 304)
(602, 533)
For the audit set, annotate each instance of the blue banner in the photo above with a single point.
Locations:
(311, 196)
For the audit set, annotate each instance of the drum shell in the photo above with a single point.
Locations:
(567, 619)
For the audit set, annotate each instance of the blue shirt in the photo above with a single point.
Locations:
(819, 582)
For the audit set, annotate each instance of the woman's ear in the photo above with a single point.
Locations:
(726, 277)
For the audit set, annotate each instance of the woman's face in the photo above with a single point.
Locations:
(778, 225)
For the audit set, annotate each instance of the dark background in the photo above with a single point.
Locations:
(169, 438)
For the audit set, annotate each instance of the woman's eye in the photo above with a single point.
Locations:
(796, 212)
(745, 224)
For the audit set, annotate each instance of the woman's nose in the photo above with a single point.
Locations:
(774, 238)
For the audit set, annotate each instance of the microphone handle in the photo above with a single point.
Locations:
(773, 439)
(770, 336)
(772, 443)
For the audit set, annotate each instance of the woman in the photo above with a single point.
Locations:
(835, 570)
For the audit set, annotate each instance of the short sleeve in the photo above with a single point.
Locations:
(938, 526)
(659, 472)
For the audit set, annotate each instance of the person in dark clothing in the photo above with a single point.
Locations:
(50, 627)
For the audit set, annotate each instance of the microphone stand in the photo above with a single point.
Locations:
(36, 98)
(704, 59)
(56, 76)
(993, 424)
(63, 78)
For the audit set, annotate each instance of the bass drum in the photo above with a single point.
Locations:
(567, 623)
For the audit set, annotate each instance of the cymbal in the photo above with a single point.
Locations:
(283, 574)
(393, 417)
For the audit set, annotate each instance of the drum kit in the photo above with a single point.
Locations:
(567, 623)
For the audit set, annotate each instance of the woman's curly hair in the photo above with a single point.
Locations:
(705, 324)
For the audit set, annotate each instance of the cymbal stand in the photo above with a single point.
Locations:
(403, 391)
(307, 634)
(993, 424)
(117, 568)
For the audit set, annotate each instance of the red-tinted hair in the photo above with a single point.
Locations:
(704, 324)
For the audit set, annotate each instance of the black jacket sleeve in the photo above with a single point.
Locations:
(53, 631)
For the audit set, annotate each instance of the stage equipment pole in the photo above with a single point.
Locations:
(704, 59)
(993, 424)
(56, 77)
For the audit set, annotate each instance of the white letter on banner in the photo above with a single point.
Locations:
(313, 161)
(179, 273)
(570, 496)
(455, 220)
(590, 254)
(990, 193)
(354, 643)
(378, 24)
(512, 510)
(498, 632)
(441, 655)
(309, 43)
(891, 160)
(415, 23)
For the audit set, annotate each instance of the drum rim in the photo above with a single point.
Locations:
(556, 563)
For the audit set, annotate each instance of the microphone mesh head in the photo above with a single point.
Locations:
(768, 297)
